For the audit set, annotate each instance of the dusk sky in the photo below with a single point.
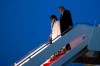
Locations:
(25, 24)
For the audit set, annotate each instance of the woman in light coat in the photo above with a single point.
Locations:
(55, 26)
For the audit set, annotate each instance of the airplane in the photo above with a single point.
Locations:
(84, 40)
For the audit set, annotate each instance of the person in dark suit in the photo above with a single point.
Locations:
(65, 22)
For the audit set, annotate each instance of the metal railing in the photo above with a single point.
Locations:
(28, 56)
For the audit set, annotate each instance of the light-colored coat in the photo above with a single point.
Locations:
(56, 31)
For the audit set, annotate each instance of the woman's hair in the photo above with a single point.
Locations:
(53, 17)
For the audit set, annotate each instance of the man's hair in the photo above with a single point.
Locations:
(62, 7)
(53, 16)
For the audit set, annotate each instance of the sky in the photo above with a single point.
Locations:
(25, 24)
